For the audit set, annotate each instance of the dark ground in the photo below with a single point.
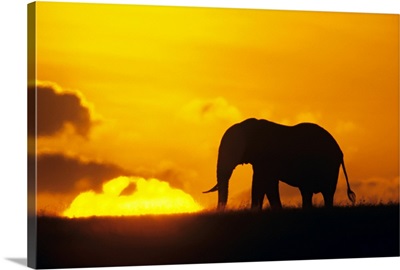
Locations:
(235, 236)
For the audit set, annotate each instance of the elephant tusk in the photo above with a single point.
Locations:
(215, 188)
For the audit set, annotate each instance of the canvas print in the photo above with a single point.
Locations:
(179, 135)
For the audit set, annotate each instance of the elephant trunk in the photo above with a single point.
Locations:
(223, 176)
(231, 151)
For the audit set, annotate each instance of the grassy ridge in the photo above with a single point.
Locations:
(232, 236)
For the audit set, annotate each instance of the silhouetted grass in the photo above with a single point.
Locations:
(230, 236)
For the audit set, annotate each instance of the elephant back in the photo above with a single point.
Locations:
(268, 140)
(314, 140)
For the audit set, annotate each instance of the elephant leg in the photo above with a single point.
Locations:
(257, 193)
(328, 198)
(306, 196)
(272, 192)
(329, 191)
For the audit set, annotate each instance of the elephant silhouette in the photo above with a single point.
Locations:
(305, 156)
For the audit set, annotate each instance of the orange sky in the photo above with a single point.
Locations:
(149, 91)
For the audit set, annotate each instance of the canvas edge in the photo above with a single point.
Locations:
(31, 151)
(31, 117)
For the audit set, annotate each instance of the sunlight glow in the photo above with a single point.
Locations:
(162, 84)
(150, 196)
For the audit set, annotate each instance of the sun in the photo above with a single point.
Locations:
(151, 196)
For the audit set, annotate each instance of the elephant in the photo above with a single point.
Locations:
(305, 156)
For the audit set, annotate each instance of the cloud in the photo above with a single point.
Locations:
(150, 196)
(60, 178)
(56, 108)
(308, 117)
(57, 173)
(217, 109)
(345, 127)
(377, 189)
(303, 117)
(175, 175)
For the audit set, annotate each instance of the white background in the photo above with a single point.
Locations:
(13, 146)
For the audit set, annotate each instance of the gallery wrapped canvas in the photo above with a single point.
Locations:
(179, 135)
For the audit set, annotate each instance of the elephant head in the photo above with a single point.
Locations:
(231, 153)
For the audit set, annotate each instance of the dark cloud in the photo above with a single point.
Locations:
(57, 173)
(173, 176)
(168, 172)
(217, 109)
(129, 190)
(54, 110)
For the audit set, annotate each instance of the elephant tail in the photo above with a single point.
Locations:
(350, 193)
